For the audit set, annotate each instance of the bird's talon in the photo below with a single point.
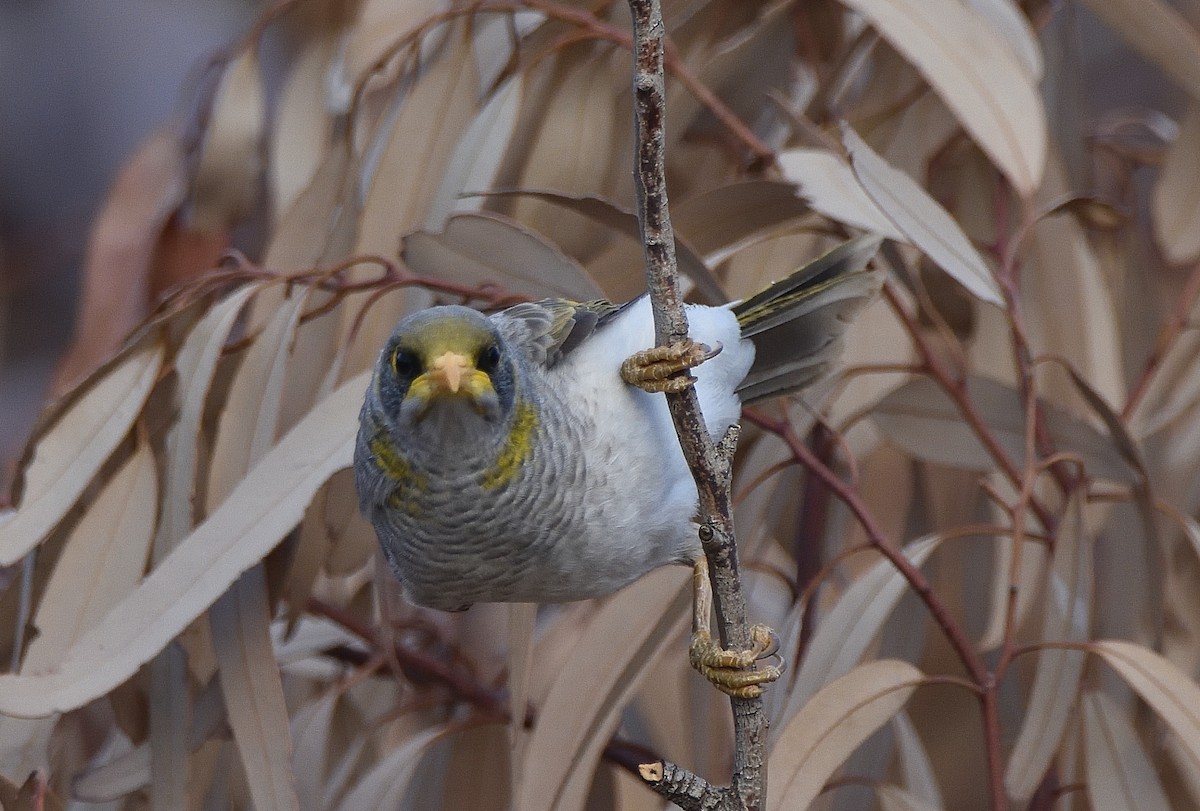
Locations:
(665, 368)
(734, 672)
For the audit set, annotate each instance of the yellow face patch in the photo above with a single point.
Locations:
(515, 451)
(392, 465)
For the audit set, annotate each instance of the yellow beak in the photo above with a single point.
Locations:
(451, 374)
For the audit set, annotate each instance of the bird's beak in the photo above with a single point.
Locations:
(451, 374)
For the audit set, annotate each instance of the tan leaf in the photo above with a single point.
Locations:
(894, 798)
(253, 690)
(250, 415)
(920, 781)
(227, 178)
(385, 785)
(851, 626)
(521, 620)
(1158, 32)
(264, 507)
(1176, 200)
(832, 724)
(828, 184)
(120, 253)
(195, 364)
(70, 452)
(226, 185)
(922, 419)
(1168, 691)
(1008, 20)
(476, 159)
(975, 74)
(1120, 774)
(102, 560)
(1068, 607)
(478, 248)
(921, 219)
(583, 707)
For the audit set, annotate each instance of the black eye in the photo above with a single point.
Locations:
(405, 364)
(489, 360)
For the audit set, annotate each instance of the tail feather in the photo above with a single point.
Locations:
(796, 324)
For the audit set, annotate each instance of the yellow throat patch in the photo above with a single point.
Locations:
(392, 465)
(515, 451)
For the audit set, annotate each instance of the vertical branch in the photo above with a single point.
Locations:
(711, 464)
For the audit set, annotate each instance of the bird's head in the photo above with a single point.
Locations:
(445, 369)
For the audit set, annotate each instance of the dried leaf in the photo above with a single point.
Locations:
(851, 626)
(1068, 607)
(1168, 691)
(258, 513)
(226, 185)
(982, 81)
(1176, 200)
(521, 619)
(609, 660)
(894, 798)
(1158, 32)
(921, 219)
(922, 419)
(120, 253)
(253, 690)
(1120, 774)
(831, 726)
(384, 786)
(1008, 20)
(828, 184)
(70, 452)
(920, 782)
(477, 156)
(195, 364)
(486, 248)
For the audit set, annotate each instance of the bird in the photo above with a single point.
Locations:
(526, 455)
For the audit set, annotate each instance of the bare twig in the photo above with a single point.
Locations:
(711, 464)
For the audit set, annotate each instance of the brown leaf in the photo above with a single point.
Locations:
(832, 724)
(70, 452)
(481, 248)
(1056, 678)
(263, 508)
(981, 80)
(120, 253)
(226, 185)
(1120, 774)
(1176, 200)
(921, 219)
(828, 184)
(1168, 691)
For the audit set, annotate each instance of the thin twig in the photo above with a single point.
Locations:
(711, 465)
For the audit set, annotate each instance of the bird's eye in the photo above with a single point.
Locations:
(405, 364)
(489, 360)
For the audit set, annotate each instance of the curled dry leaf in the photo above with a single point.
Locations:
(980, 79)
(67, 456)
(263, 508)
(1120, 774)
(1056, 679)
(921, 219)
(832, 724)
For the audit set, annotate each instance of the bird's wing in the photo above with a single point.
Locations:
(551, 328)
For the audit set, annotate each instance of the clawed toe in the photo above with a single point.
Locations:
(665, 368)
(734, 672)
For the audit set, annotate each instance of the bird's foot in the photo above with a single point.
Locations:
(733, 672)
(665, 368)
